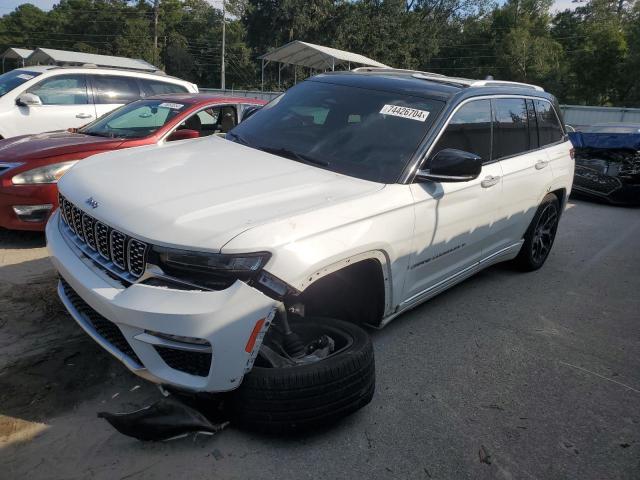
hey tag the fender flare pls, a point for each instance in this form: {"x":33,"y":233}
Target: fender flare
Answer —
{"x":379,"y":255}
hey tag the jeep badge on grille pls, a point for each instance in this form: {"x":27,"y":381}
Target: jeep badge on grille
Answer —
{"x":92,"y":203}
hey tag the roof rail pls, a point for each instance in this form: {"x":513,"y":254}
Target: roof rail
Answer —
{"x":437,"y":77}
{"x":492,"y":83}
{"x":393,"y":70}
{"x":126,"y":69}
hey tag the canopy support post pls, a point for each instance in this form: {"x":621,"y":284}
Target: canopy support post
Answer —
{"x":262,"y":82}
{"x":333,"y":64}
{"x":280,"y":67}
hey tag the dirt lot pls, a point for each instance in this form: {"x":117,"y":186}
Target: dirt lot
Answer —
{"x":505,"y":376}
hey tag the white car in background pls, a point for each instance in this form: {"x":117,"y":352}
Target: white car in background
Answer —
{"x":44,"y":98}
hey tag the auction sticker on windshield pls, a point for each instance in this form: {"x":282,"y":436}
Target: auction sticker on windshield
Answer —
{"x":405,"y":112}
{"x":172,"y":106}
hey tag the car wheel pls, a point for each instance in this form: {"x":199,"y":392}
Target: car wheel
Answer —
{"x":334,"y":377}
{"x":540,"y":235}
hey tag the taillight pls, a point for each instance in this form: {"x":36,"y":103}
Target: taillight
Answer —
{"x":572,"y":153}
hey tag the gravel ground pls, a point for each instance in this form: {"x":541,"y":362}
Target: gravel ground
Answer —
{"x":507,"y":375}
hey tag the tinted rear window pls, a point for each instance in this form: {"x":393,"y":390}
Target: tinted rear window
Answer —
{"x":549,"y":128}
{"x":112,"y":89}
{"x":511,"y":127}
{"x":155,"y":87}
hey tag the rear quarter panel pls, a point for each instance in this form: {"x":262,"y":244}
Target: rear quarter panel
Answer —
{"x":562,"y":166}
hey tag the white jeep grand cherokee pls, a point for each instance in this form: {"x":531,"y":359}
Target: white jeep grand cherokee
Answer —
{"x":245,"y":264}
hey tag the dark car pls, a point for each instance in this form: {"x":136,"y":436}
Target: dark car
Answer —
{"x":608,"y":162}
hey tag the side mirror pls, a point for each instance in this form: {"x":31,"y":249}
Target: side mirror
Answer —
{"x":28,"y":100}
{"x":451,"y":165}
{"x":184,"y":134}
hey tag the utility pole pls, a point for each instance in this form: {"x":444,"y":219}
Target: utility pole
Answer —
{"x":222,"y":72}
{"x":156,"y":14}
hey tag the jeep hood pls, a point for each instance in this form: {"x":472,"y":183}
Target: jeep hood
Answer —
{"x":52,"y":144}
{"x":201,"y":193}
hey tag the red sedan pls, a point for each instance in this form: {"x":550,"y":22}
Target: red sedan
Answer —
{"x":31,"y":165}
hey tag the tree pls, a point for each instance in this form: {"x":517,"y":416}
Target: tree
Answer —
{"x":590,"y":54}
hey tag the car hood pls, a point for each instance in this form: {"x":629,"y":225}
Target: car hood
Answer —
{"x":52,"y":144}
{"x":201,"y":193}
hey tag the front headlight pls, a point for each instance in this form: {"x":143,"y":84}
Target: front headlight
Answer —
{"x":46,"y":174}
{"x":210,"y":270}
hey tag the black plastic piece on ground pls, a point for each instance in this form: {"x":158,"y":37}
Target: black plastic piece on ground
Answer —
{"x":163,"y":420}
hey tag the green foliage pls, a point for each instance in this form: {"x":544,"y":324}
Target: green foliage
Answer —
{"x":588,"y":55}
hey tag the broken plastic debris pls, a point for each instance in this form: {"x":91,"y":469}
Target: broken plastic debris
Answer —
{"x":166,"y":419}
{"x":484,"y":455}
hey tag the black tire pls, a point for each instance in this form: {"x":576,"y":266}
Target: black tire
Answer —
{"x":300,"y":398}
{"x":540,"y":235}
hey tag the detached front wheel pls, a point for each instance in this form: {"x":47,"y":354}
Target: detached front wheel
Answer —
{"x":331,"y":378}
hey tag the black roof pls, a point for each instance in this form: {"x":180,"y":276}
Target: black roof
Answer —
{"x":402,"y":83}
{"x":409,"y":83}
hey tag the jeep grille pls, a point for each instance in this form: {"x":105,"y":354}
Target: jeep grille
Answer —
{"x":122,"y":253}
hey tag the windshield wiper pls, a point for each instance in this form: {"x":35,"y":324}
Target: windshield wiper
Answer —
{"x":94,"y":134}
{"x":301,"y":157}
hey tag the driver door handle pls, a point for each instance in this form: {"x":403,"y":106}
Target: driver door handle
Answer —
{"x":540,"y":164}
{"x":489,"y":181}
{"x":84,"y":115}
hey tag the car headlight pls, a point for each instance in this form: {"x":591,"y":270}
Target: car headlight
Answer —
{"x":209,"y":270}
{"x":47,"y":174}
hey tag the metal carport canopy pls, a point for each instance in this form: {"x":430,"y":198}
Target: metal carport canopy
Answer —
{"x":19,"y":54}
{"x":50,"y":56}
{"x":317,"y":57}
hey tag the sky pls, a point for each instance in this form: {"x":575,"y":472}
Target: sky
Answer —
{"x":7,"y":6}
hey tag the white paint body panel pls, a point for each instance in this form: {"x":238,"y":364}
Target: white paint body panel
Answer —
{"x":218,"y":196}
{"x":225,"y":318}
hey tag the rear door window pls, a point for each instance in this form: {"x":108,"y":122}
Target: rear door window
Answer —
{"x":469,"y":130}
{"x":511,"y":130}
{"x":549,"y":128}
{"x":156,"y":87}
{"x":62,"y":90}
{"x":113,"y":89}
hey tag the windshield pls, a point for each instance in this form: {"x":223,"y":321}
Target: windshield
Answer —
{"x":363,"y":133}
{"x":13,"y":79}
{"x":135,"y":120}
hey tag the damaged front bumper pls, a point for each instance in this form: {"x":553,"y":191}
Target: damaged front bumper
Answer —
{"x":200,"y":341}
